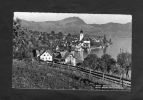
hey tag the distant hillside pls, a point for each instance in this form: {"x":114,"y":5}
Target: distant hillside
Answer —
{"x":73,"y":25}
{"x":115,"y":29}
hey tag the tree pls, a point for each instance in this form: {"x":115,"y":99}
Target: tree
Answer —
{"x":104,"y":44}
{"x":105,"y":49}
{"x":116,"y":70}
{"x":68,"y":38}
{"x":107,"y":62}
{"x":104,"y":39}
{"x":124,"y":59}
{"x":21,"y":44}
{"x":60,"y":35}
{"x":91,"y":61}
{"x":17,"y":22}
{"x":111,"y":63}
{"x":53,"y":34}
{"x":110,"y":41}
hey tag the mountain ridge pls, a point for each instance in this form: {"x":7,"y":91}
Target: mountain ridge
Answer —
{"x":73,"y":25}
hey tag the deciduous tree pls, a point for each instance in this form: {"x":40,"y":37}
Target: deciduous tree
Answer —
{"x":125,"y":61}
{"x":91,"y":61}
{"x":107,"y":62}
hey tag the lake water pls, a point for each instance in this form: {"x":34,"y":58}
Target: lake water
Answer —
{"x":124,"y":43}
{"x":114,"y":49}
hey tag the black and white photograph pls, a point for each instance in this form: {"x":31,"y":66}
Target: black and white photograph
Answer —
{"x":72,"y":51}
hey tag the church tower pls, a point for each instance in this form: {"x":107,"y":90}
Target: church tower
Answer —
{"x":81,"y":35}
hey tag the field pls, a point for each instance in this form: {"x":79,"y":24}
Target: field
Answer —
{"x":43,"y":76}
{"x":35,"y":75}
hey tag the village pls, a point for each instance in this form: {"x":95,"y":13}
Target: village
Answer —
{"x":74,"y":52}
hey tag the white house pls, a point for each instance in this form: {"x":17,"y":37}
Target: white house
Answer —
{"x":46,"y":56}
{"x":73,"y":57}
{"x":86,"y":43}
{"x":70,"y":59}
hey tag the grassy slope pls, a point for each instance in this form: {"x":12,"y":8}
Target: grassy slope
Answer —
{"x":43,"y":76}
{"x":36,"y":76}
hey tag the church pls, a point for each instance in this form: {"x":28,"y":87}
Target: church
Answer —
{"x":85,"y":41}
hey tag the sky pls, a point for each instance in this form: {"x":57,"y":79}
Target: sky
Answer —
{"x":88,"y":18}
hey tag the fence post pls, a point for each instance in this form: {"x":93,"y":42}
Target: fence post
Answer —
{"x":90,"y":75}
{"x":120,"y":80}
{"x":103,"y":76}
{"x":43,"y":81}
{"x":101,"y":86}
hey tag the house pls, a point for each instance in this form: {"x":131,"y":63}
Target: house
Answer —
{"x":73,"y":58}
{"x":69,"y":58}
{"x":78,"y":47}
{"x":86,"y":43}
{"x":46,"y":55}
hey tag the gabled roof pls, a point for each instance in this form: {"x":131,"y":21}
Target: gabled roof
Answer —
{"x":57,"y":55}
{"x":50,"y":52}
{"x":86,"y":39}
{"x":66,"y":55}
{"x":63,"y":53}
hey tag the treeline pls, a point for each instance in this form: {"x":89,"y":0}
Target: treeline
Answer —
{"x":26,"y":40}
{"x":109,"y":65}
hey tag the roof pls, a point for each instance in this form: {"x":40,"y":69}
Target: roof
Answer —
{"x":50,"y":52}
{"x":57,"y":55}
{"x":66,"y":54}
{"x":63,"y":53}
{"x":86,"y":39}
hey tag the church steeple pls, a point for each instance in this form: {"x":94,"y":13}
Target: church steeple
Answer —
{"x":81,"y":31}
{"x":81,"y":35}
